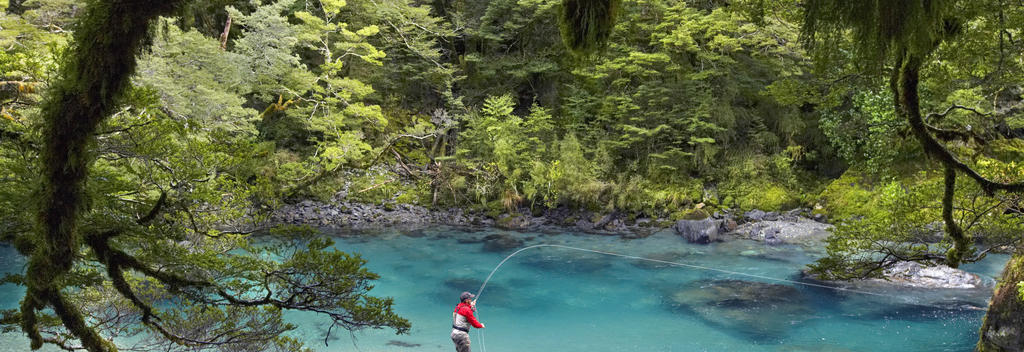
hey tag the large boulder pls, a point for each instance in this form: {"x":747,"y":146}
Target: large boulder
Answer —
{"x":802,"y":231}
{"x":756,"y":309}
{"x":1003,"y":329}
{"x":940,"y":276}
{"x":698,"y":231}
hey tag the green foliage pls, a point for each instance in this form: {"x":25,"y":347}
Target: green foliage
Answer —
{"x":686,"y":109}
{"x":869,"y":136}
{"x":197,"y":81}
{"x":669,"y":103}
{"x":502,"y":145}
{"x":881,"y":224}
{"x":175,"y":178}
{"x":565,"y":179}
{"x":900,"y":229}
{"x":760,"y":182}
{"x":267,"y":43}
{"x":1006,"y":150}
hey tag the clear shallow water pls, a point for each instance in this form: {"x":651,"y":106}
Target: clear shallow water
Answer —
{"x":551,"y":298}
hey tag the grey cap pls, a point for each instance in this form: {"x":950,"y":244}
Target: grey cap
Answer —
{"x":466,"y":295}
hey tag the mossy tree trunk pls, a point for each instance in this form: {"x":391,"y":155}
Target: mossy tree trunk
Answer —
{"x":94,"y":75}
{"x":1003,"y":329}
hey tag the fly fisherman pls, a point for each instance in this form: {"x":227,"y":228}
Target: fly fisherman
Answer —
{"x":462,"y":318}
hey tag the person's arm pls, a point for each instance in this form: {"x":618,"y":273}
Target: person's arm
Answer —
{"x":468,"y":313}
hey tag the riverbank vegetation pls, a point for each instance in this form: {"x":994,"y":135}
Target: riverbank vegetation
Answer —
{"x":178,"y":140}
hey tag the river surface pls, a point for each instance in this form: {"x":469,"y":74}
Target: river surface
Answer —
{"x":554,"y":299}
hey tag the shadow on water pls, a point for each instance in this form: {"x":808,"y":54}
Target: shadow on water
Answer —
{"x":404,"y":344}
{"x":321,"y":333}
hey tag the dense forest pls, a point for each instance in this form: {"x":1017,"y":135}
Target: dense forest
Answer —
{"x":144,"y":143}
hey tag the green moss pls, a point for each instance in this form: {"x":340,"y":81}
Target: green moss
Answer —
{"x":767,"y":197}
{"x":671,"y":197}
{"x":691,"y":214}
{"x":849,"y":196}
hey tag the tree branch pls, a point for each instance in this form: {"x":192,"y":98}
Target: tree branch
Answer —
{"x":909,"y":106}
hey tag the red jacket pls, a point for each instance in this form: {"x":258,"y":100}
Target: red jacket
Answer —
{"x":464,"y":309}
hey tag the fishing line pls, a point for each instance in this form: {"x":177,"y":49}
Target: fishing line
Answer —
{"x":480,"y":333}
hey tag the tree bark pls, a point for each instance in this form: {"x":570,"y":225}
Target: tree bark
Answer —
{"x":224,"y":35}
{"x":908,"y":105}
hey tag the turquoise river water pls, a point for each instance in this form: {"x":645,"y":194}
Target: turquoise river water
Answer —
{"x":553,"y":299}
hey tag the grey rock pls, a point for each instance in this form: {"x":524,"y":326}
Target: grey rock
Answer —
{"x":606,"y":219}
{"x":616,"y":226}
{"x":771,"y":235}
{"x":801,"y":231}
{"x":698,"y":231}
{"x":583,"y":224}
{"x":728,"y":225}
{"x":918,"y":275}
{"x":820,"y":218}
{"x":754,"y":215}
{"x":513,"y":222}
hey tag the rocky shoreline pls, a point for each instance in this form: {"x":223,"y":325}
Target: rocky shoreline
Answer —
{"x":774,"y":227}
{"x":798,"y":226}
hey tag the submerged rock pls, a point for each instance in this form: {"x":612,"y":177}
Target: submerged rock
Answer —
{"x":698,"y":231}
{"x":568,"y":262}
{"x":756,"y":309}
{"x":501,"y":242}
